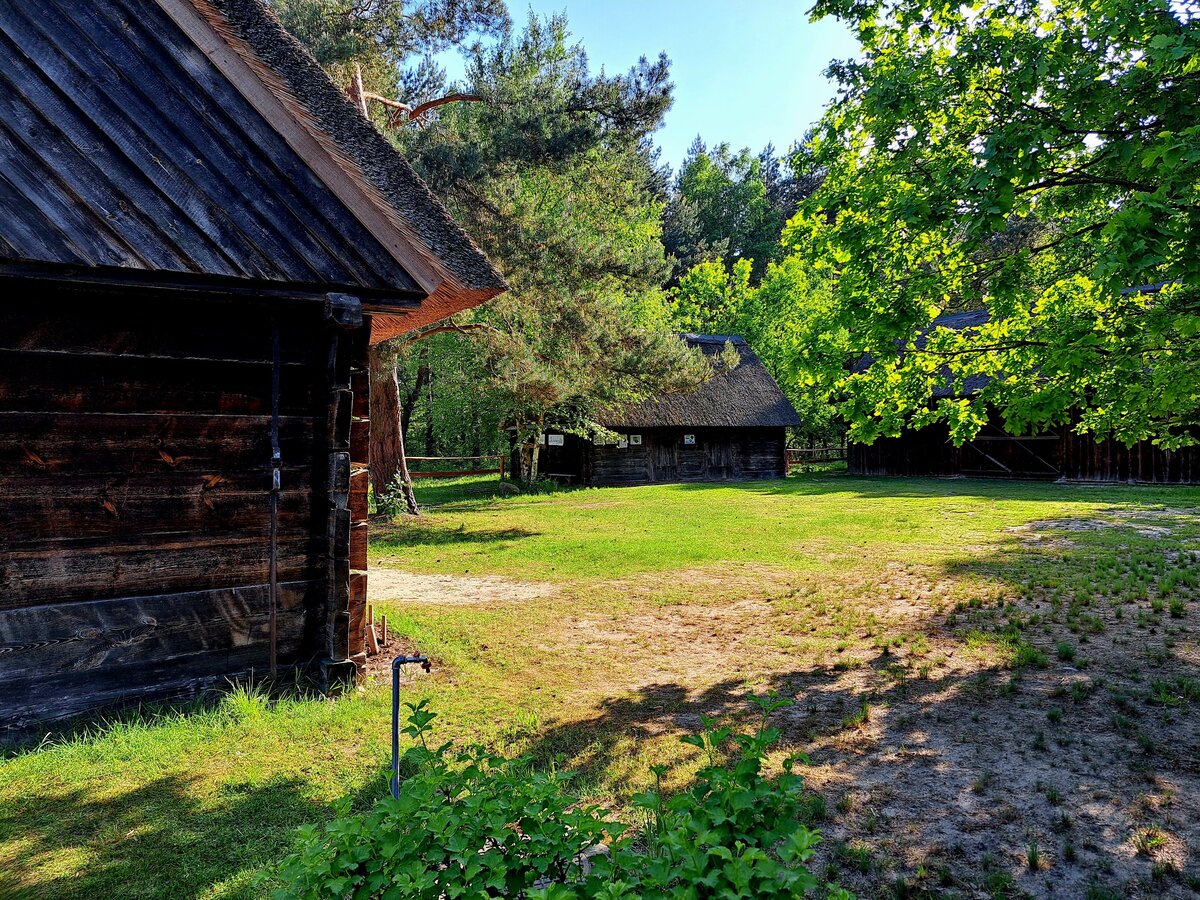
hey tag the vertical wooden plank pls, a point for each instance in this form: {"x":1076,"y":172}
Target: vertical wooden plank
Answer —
{"x":358,"y":547}
{"x":359,"y":479}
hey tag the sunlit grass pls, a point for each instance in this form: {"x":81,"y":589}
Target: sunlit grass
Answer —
{"x":668,"y":600}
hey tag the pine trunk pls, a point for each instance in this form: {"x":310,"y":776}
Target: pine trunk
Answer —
{"x":387,"y":439}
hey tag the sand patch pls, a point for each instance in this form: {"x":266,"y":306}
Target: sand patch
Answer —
{"x":409,"y":587}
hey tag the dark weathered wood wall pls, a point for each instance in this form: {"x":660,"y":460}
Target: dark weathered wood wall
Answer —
{"x":1061,"y":454}
{"x":135,"y":475}
{"x":719,"y":454}
{"x":1082,"y":458}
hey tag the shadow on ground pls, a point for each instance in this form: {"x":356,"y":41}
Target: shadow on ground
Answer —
{"x":417,"y":532}
{"x":1042,"y":745}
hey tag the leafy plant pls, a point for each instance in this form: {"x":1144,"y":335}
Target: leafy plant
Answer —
{"x":466,"y":823}
{"x":1148,"y":840}
{"x":469,"y":823}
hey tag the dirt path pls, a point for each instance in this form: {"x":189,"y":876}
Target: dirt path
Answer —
{"x":385,"y":583}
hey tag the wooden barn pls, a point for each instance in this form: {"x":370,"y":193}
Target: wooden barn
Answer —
{"x":199,"y":237}
{"x":1058,"y":454}
{"x":732,"y":429}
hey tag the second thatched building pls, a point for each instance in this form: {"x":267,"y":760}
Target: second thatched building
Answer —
{"x":733,"y":428}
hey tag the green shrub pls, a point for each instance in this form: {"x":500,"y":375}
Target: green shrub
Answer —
{"x":472,"y":824}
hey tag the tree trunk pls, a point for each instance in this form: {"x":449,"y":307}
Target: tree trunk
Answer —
{"x":537,"y":448}
{"x":411,"y":398}
{"x":430,"y":444}
{"x":406,"y":482}
{"x":387,"y":440}
{"x":533,"y":462}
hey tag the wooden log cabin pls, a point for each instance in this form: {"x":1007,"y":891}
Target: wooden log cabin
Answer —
{"x":1058,"y":454}
{"x":733,"y":428}
{"x":199,"y":238}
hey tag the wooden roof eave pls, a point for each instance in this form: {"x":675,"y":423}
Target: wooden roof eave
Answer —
{"x":263,"y":89}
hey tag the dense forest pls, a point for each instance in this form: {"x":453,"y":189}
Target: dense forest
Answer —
{"x":1024,"y":173}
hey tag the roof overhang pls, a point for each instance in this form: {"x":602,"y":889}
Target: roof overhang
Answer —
{"x":445,"y":294}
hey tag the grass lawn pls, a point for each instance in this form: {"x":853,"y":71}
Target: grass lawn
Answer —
{"x":998,"y":684}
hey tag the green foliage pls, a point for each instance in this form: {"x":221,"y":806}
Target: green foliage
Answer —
{"x":729,"y":207}
{"x":713,"y":299}
{"x":551,"y":176}
{"x":466,"y":824}
{"x":470,"y":823}
{"x":384,"y":37}
{"x":1034,"y":160}
{"x":786,"y":317}
{"x":549,"y":170}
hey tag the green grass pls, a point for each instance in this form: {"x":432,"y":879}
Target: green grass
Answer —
{"x":669,"y":601}
{"x":802,"y":524}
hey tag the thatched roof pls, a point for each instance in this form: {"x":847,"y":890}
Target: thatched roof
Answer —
{"x":746,"y":397}
{"x":463,"y":273}
{"x":195,"y":141}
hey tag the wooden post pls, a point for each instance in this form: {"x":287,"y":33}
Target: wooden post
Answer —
{"x":345,"y":642}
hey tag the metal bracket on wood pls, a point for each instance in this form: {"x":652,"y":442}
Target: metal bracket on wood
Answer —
{"x":343,"y":310}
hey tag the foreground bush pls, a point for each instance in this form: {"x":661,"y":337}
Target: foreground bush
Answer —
{"x":470,"y":824}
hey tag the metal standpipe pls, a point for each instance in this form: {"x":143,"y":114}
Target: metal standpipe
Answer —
{"x":396,"y":664}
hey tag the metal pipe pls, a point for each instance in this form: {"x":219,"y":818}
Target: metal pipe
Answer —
{"x":396,"y":664}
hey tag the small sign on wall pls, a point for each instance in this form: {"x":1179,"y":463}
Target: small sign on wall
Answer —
{"x":555,"y":440}
{"x":635,"y":440}
{"x":689,"y":440}
{"x":622,"y":442}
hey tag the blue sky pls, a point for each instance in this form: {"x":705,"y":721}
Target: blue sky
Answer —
{"x":746,"y":71}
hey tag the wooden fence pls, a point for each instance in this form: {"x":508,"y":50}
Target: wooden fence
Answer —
{"x":456,"y":473}
{"x":798,"y":456}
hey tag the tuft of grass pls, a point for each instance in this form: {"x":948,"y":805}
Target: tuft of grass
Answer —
{"x":1160,"y":870}
{"x":859,"y":717}
{"x":1149,"y":840}
{"x":1027,"y":656}
{"x":853,"y":857}
{"x":1033,"y":856}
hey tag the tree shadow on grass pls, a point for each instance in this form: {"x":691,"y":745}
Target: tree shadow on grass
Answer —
{"x":1056,"y":725}
{"x":155,"y":840}
{"x":415,"y":533}
{"x":881,"y":487}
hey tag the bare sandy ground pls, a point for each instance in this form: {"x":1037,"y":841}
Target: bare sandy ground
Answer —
{"x":384,"y":583}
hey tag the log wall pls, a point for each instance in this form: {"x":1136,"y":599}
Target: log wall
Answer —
{"x":1061,"y":454}
{"x":135,"y":485}
{"x":719,"y":454}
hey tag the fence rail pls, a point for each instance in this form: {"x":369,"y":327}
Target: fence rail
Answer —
{"x":798,"y":456}
{"x":457,"y":473}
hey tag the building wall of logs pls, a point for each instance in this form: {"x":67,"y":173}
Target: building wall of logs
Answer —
{"x":136,"y":481}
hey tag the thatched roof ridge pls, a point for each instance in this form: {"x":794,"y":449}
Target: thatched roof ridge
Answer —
{"x":746,"y":397}
{"x":466,"y":275}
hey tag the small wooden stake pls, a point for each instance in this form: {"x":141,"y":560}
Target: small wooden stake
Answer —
{"x":372,"y":641}
{"x":383,"y":633}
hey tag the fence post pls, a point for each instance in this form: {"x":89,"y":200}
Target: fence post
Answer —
{"x":501,"y":457}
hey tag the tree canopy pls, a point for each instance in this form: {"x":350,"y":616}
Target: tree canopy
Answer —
{"x":731,"y":206}
{"x":1039,"y":161}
